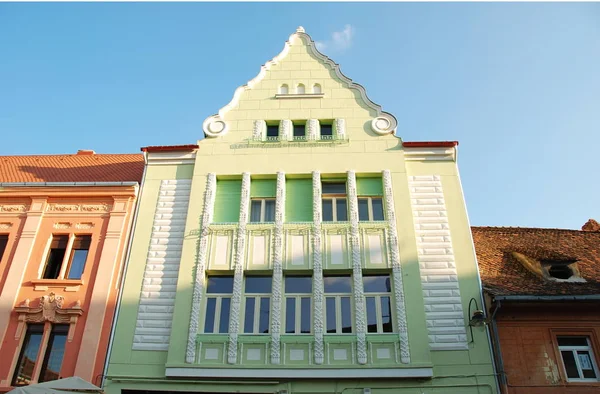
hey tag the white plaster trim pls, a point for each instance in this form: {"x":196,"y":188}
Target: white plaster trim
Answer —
{"x":258,"y":132}
{"x":342,"y":373}
{"x":276,"y":297}
{"x":285,"y":130}
{"x":299,"y":95}
{"x":238,"y":264}
{"x":384,"y":124}
{"x":206,"y":219}
{"x":298,"y":34}
{"x":430,"y":154}
{"x":317,"y":270}
{"x":392,"y":238}
{"x":312,"y":129}
{"x":168,"y":158}
{"x":339,"y":128}
{"x":359,"y":297}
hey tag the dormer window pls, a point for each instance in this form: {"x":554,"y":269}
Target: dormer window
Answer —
{"x":560,"y":269}
{"x":283,"y":89}
{"x":300,"y":89}
{"x":316,"y":88}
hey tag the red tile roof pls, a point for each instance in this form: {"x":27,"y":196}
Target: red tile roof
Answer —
{"x":84,"y":167}
{"x":503,"y":274}
{"x":169,"y":148}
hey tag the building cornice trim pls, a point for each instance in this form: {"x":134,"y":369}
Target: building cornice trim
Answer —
{"x":313,"y":373}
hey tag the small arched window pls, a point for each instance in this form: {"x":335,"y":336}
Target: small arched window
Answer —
{"x":316,"y":88}
{"x":300,"y":89}
{"x":283,"y":89}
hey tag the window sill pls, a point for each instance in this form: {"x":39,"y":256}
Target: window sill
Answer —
{"x":68,"y":284}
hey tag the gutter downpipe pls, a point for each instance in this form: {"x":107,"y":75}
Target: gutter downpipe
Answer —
{"x":124,"y":272}
{"x":592,"y":297}
{"x":498,"y":352}
{"x":479,"y":284}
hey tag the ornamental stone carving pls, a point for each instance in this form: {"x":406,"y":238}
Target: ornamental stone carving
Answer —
{"x":339,"y":128}
{"x":317,"y":269}
{"x":285,"y":130}
{"x":384,"y":124}
{"x":277,"y":270}
{"x":214,"y":126}
{"x":258,"y":131}
{"x":205,"y":220}
{"x":312,"y":129}
{"x":14,"y":208}
{"x":5,"y":226}
{"x":78,"y":208}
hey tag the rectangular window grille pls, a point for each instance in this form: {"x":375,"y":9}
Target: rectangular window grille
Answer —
{"x":578,"y":359}
{"x":370,"y":209}
{"x":219,"y":290}
{"x":262,"y":210}
{"x":257,"y":295}
{"x":67,"y":256}
{"x":338,"y":304}
{"x":378,"y":293}
{"x":298,"y":304}
{"x":334,"y":202}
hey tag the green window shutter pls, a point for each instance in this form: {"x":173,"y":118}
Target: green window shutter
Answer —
{"x":263,"y":188}
{"x":298,"y":200}
{"x":227,"y":201}
{"x":369,"y":187}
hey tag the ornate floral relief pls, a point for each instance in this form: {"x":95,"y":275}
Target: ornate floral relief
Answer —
{"x":277,"y":270}
{"x":317,"y":269}
{"x":85,"y":225}
{"x":14,"y":208}
{"x":50,"y":308}
{"x":258,"y":131}
{"x":205,"y":221}
{"x":238,"y":263}
{"x":5,"y":226}
{"x":339,"y":128}
{"x":285,"y":130}
{"x":312,"y":129}
{"x":359,"y":303}
{"x":78,"y":208}
{"x":396,"y":267}
{"x":62,"y":225}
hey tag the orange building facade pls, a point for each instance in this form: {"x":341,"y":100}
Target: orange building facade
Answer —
{"x":64,"y":227}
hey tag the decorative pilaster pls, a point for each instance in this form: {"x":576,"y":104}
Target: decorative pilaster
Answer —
{"x":277,"y":270}
{"x":205,"y":220}
{"x":312,"y":129}
{"x":339,"y":129}
{"x":392,"y":236}
{"x":317,"y":269}
{"x":359,"y":298}
{"x":258,"y":131}
{"x":285,"y":130}
{"x":238,"y":261}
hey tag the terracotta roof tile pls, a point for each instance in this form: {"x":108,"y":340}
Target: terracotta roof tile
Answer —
{"x":84,"y":167}
{"x":502,"y":273}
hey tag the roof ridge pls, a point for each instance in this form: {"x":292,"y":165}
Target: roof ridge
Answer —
{"x":528,"y":228}
{"x":70,"y":154}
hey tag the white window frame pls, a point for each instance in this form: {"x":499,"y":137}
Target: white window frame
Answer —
{"x":256,"y":315}
{"x":298,"y":311}
{"x":263,"y":206}
{"x":370,"y":207}
{"x":378,"y":314}
{"x":67,"y":261}
{"x":333,"y":197}
{"x":338,"y":309}
{"x":574,"y":350}
{"x":219,"y":300}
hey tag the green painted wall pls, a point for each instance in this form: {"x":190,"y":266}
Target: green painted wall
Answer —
{"x":298,"y":203}
{"x":227,"y":201}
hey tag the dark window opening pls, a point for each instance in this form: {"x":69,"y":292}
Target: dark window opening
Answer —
{"x":334,"y":188}
{"x":559,"y":269}
{"x":56,"y":256}
{"x":272,"y":130}
{"x":55,"y":352}
{"x":29,"y":354}
{"x":326,"y":130}
{"x":3,"y":243}
{"x":299,"y":130}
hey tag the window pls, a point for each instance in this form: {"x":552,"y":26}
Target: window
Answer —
{"x":560,"y":269}
{"x":283,"y":89}
{"x":578,"y":358}
{"x":334,"y":202}
{"x":299,"y":132}
{"x":316,"y":88}
{"x":257,"y":294}
{"x":272,"y":132}
{"x":67,"y":256}
{"x":30,"y":354}
{"x":3,"y":243}
{"x":378,"y":292}
{"x":300,"y":89}
{"x":219,"y":290}
{"x":326,"y":131}
{"x":370,"y":208}
{"x":262,"y":210}
{"x":338,"y":305}
{"x":298,"y":308}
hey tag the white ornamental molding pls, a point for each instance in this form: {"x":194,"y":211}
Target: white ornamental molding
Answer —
{"x":79,"y":208}
{"x":258,"y":131}
{"x":384,"y":124}
{"x":359,"y":298}
{"x":299,"y":37}
{"x":396,"y":268}
{"x":339,"y":128}
{"x":317,"y":269}
{"x":62,"y":225}
{"x":312,"y":129}
{"x":205,"y":220}
{"x":277,"y":270}
{"x":5,"y":226}
{"x":238,"y":276}
{"x":285,"y":130}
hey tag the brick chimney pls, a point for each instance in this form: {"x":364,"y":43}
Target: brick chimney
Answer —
{"x":591,"y":225}
{"x":85,"y":152}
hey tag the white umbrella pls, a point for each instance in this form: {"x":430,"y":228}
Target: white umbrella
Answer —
{"x":60,"y":386}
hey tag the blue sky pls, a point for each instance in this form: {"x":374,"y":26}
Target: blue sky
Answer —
{"x":517,"y":84}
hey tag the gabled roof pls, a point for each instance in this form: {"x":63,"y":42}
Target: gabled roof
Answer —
{"x":83,"y":167}
{"x":501,"y":252}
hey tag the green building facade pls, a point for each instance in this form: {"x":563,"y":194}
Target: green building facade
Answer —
{"x":300,"y":247}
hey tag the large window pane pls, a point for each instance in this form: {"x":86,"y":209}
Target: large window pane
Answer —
{"x":327,"y":210}
{"x":258,"y":284}
{"x":255,"y":208}
{"x":346,"y":315}
{"x":249,"y":315}
{"x":305,"y":315}
{"x":337,"y":284}
{"x":224,"y":320}
{"x":386,"y":314}
{"x":28,"y":356}
{"x":265,"y":308}
{"x":371,"y":315}
{"x":220,"y":285}
{"x":209,"y":320}
{"x":298,"y":284}
{"x":269,"y":210}
{"x":377,"y":283}
{"x":585,"y":362}
{"x":377,"y":206}
{"x":55,"y":352}
{"x":58,"y":247}
{"x":570,"y":365}
{"x":290,"y":315}
{"x":363,"y":209}
{"x":78,"y":258}
{"x":341,"y":210}
{"x":330,"y":313}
